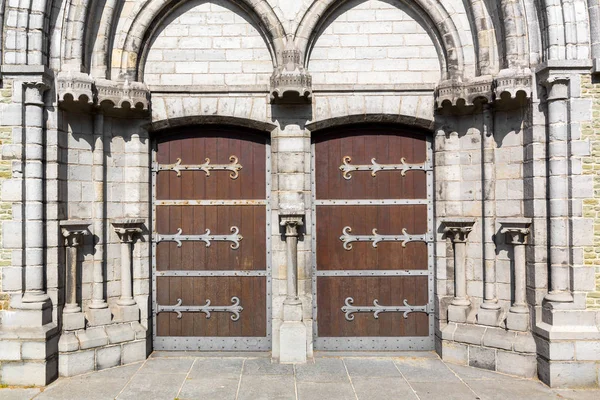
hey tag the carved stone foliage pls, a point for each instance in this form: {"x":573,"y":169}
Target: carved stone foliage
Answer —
{"x":79,"y":90}
{"x":290,"y":82}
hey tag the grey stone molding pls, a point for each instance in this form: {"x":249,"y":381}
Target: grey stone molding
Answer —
{"x":290,"y":82}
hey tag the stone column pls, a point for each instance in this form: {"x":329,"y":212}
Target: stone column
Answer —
{"x":126,"y":309}
{"x":558,"y":187}
{"x":458,"y":230}
{"x":98,"y":312}
{"x":489,"y":312}
{"x":516,"y":231}
{"x":292,"y":334}
{"x":73,"y":232}
{"x":34,"y":192}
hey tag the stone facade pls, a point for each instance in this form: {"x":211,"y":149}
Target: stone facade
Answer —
{"x":511,"y":110}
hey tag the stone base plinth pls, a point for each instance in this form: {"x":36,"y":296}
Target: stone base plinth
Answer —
{"x":292,"y":342}
{"x":73,"y":321}
{"x":126,"y":313}
{"x":489,"y":317}
{"x":458,"y":314}
{"x":517,"y":321}
{"x":98,"y":316}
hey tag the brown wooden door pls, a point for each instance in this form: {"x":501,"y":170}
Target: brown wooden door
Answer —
{"x":210,"y":240}
{"x":373,"y":213}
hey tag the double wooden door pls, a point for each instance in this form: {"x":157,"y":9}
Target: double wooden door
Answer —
{"x":211,"y":277}
{"x":372,"y":262}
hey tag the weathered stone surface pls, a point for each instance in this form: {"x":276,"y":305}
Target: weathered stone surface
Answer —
{"x":92,"y":337}
{"x":126,"y":313}
{"x":134,"y":352}
{"x":73,"y":321}
{"x":456,"y":353}
{"x":108,"y":357}
{"x":516,"y":364}
{"x":120,"y":333}
{"x":76,"y":363}
{"x":292,"y":338}
{"x":98,"y":317}
{"x":482,"y":357}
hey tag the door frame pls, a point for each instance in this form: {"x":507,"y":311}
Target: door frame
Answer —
{"x":214,"y":343}
{"x":366,"y":342}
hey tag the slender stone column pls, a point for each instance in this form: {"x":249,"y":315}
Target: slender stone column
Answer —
{"x":516,"y":231}
{"x":291,"y":225}
{"x":34,"y":193}
{"x":458,"y":230}
{"x":558,"y":187}
{"x":73,"y":232}
{"x":127,"y":229}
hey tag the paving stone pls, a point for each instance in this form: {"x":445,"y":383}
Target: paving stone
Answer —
{"x":228,"y":368}
{"x":369,"y":367}
{"x":322,"y":370}
{"x":262,"y":366}
{"x":447,"y":391}
{"x":85,"y":388}
{"x":267,"y":387}
{"x":167,"y":366}
{"x":18,"y":394}
{"x":470,"y":373}
{"x":153,"y":387}
{"x":370,"y":388}
{"x":569,"y":394}
{"x":517,"y":389}
{"x":213,"y":388}
{"x":322,"y":390}
{"x":425,"y":370}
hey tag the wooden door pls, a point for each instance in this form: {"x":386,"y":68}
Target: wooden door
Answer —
{"x":373,"y":239}
{"x":210,"y":240}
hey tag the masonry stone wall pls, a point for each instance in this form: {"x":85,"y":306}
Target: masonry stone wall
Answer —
{"x":5,"y":173}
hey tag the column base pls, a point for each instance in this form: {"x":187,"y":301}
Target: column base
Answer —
{"x":292,"y":342}
{"x":517,"y":321}
{"x":488,"y":316}
{"x":98,"y":305}
{"x":126,"y":302}
{"x":35,"y":297}
{"x":73,"y":321}
{"x":559,"y":297}
{"x":98,"y":316}
{"x":458,"y":313}
{"x":130,"y":313}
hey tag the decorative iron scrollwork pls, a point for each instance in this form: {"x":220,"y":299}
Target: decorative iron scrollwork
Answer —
{"x":377,"y":309}
{"x":347,"y":168}
{"x":376,"y":238}
{"x":207,"y":238}
{"x":178,"y":308}
{"x":234,"y":167}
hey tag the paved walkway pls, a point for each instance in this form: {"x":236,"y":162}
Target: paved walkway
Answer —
{"x":182,"y":376}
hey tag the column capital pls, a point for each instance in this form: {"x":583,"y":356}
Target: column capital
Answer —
{"x":127,"y":228}
{"x":73,"y":230}
{"x":458,"y":229}
{"x":291,"y":224}
{"x":557,"y":87}
{"x":34,"y":92}
{"x":515,"y":230}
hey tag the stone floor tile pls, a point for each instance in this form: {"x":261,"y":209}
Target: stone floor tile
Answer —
{"x":210,"y":354}
{"x":371,"y":367}
{"x":264,"y":366}
{"x":18,"y":394}
{"x":322,"y":370}
{"x":425,"y":370}
{"x":227,"y":368}
{"x":569,"y":394}
{"x":516,"y":389}
{"x":167,"y":366}
{"x":88,"y":389}
{"x":478,"y":374}
{"x":153,"y":387}
{"x":213,"y":388}
{"x":369,"y":388}
{"x":446,"y":391}
{"x":267,"y":387}
{"x":328,"y":391}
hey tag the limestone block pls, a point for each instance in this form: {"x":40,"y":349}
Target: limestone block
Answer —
{"x":12,"y":279}
{"x":516,"y":364}
{"x":68,"y":342}
{"x":39,"y":350}
{"x":120,"y":333}
{"x":126,"y":313}
{"x":292,"y":311}
{"x":140,"y":331}
{"x":458,"y":313}
{"x":92,"y":337}
{"x":73,"y":321}
{"x":517,"y":321}
{"x":292,"y":342}
{"x":108,"y":357}
{"x":456,"y":353}
{"x":10,"y":350}
{"x":587,"y":350}
{"x":35,"y":373}
{"x":524,"y":343}
{"x":27,"y":318}
{"x":499,"y":338}
{"x":482,"y":357}
{"x":98,"y":316}
{"x":134,"y":352}
{"x":471,"y":334}
{"x":558,"y":374}
{"x":76,"y":363}
{"x":488,"y":317}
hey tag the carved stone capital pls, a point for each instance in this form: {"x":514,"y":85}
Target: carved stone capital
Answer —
{"x":453,"y":93}
{"x":73,"y":232}
{"x":458,"y":229}
{"x":557,"y":87}
{"x":127,"y":228}
{"x":75,"y":87}
{"x":34,"y":92}
{"x":290,"y":82}
{"x":123,"y":95}
{"x":515,"y":230}
{"x":291,"y":224}
{"x":510,"y":85}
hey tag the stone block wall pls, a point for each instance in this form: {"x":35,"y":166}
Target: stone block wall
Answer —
{"x":5,"y":173}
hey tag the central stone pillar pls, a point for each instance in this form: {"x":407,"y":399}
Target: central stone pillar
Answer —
{"x":457,"y":230}
{"x":73,"y":232}
{"x":292,"y":334}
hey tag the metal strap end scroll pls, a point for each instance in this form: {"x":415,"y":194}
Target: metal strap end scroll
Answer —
{"x":207,"y":238}
{"x":403,"y":167}
{"x":235,"y":309}
{"x":347,"y":239}
{"x":349,"y":309}
{"x":234,"y":167}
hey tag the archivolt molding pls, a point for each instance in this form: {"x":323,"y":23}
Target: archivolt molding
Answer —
{"x":433,"y":13}
{"x":130,"y":40}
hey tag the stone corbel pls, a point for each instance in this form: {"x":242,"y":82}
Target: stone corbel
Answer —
{"x":75,"y":90}
{"x":118,"y":97}
{"x":513,"y":88}
{"x":460,"y":96}
{"x":290,"y":82}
